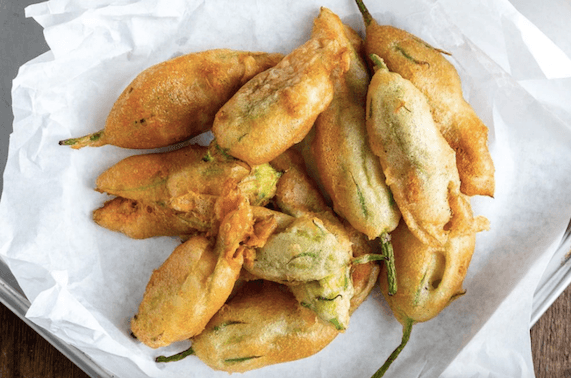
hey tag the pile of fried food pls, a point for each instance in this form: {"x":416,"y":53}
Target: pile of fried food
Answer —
{"x":274,"y":260}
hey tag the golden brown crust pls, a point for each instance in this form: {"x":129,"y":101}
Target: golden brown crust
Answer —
{"x":296,"y":192}
{"x":364,"y":276}
{"x":437,"y":78}
{"x":428,"y":277}
{"x":420,"y":167}
{"x":278,"y":107}
{"x":348,"y":169}
{"x":166,"y":313}
{"x":140,"y":220}
{"x":177,"y":99}
{"x":304,"y":251}
{"x":262,"y":325}
{"x":161,"y":177}
{"x":194,"y":282}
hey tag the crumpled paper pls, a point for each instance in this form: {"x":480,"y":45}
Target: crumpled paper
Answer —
{"x":85,"y":283}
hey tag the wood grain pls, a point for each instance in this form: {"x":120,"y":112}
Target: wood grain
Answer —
{"x":25,"y":354}
{"x":551,"y":340}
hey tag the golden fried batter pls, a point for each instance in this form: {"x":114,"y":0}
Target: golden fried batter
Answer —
{"x":296,"y":192}
{"x":298,"y":195}
{"x":419,"y":166}
{"x":161,"y":177}
{"x":305,"y":250}
{"x":437,"y":78}
{"x":429,"y":277}
{"x":176,"y":193}
{"x":140,"y":220}
{"x":348,"y":169}
{"x":176,"y":100}
{"x":278,"y":107}
{"x":193,"y":283}
{"x":262,"y":325}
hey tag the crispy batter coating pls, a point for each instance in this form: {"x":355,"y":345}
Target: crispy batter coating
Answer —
{"x":266,"y":223}
{"x":296,"y":192}
{"x":162,"y":317}
{"x":430,"y":277}
{"x":176,"y":100}
{"x":258,"y":187}
{"x":437,"y":78}
{"x":347,"y":167}
{"x":194,"y":282}
{"x":278,"y":107}
{"x":161,"y":177}
{"x":175,"y":193}
{"x":140,"y":220}
{"x":420,"y":167}
{"x":330,"y":297}
{"x":262,"y":325}
{"x":364,"y":276}
{"x":188,"y":214}
{"x":304,"y":251}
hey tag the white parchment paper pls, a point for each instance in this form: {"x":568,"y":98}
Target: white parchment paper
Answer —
{"x":85,"y":283}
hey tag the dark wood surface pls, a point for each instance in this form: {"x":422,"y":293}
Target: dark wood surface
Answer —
{"x":551,"y":340}
{"x":25,"y":354}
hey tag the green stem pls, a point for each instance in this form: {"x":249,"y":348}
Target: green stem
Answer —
{"x":240,"y":359}
{"x":388,"y":251}
{"x":368,"y":258}
{"x":175,"y":357}
{"x":84,"y":141}
{"x":367,"y":18}
{"x":378,"y":62}
{"x":407,"y":329}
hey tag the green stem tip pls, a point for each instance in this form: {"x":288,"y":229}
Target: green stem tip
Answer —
{"x":369,"y":258}
{"x":407,"y":329}
{"x":378,"y":62}
{"x":175,"y":357}
{"x":84,"y":141}
{"x":367,"y":18}
{"x":388,"y":251}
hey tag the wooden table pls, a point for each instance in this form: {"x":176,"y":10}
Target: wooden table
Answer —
{"x":23,"y":353}
{"x":550,"y":340}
